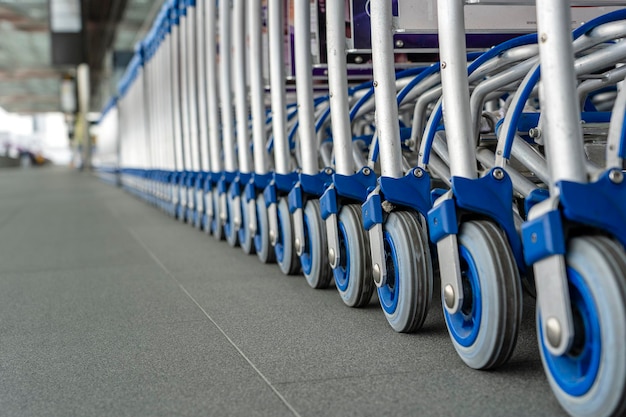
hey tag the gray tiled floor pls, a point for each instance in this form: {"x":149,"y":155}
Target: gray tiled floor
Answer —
{"x":109,"y":307}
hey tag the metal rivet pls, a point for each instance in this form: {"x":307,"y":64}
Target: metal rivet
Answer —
{"x":417,"y":172}
{"x":272,"y":235}
{"x":443,"y":65}
{"x":367,"y":171}
{"x":534,"y":133}
{"x":616,"y":176}
{"x":375,"y":84}
{"x":376,"y":273}
{"x":331,"y":258}
{"x":399,"y":43}
{"x":297,"y":244}
{"x":358,"y":59}
{"x":435,"y":221}
{"x":533,"y":237}
{"x":544,"y":37}
{"x":553,"y":332}
{"x":328,"y":171}
{"x":498,"y":173}
{"x":448,"y":296}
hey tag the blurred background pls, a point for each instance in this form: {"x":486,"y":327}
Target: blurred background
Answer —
{"x":42,"y":44}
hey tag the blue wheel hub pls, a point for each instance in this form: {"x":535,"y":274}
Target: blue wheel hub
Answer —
{"x":388,"y":294}
{"x":576,"y":371}
{"x":465,"y":324}
{"x":342,"y":272}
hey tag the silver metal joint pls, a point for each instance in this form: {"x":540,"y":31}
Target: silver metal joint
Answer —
{"x":272,"y":237}
{"x":399,"y":43}
{"x":332,"y":259}
{"x":297,"y":245}
{"x":417,"y":172}
{"x":328,"y":171}
{"x":376,"y":274}
{"x":616,"y":176}
{"x":498,"y":173}
{"x":534,"y":133}
{"x":366,"y":171}
{"x":553,"y":332}
{"x":448,"y":296}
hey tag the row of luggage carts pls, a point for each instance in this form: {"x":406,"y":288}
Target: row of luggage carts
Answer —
{"x":493,"y":170}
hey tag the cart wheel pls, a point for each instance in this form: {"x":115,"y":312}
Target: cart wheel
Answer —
{"x":353,"y":275}
{"x":246,"y":240}
{"x":208,"y":224}
{"x":216,"y":228}
{"x":200,"y":216}
{"x":314,"y":259}
{"x":232,"y":237}
{"x":484,"y":331}
{"x":286,"y":256}
{"x":262,"y":245}
{"x":590,"y":379}
{"x":406,"y":296}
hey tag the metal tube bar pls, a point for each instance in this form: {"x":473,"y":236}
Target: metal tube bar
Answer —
{"x":213,"y":106}
{"x":304,"y":87}
{"x":241,"y":90}
{"x":176,"y":99}
{"x":338,"y":86}
{"x":184,"y":91}
{"x":456,"y":99}
{"x":276,"y":23}
{"x":226,"y":99}
{"x":564,"y":142}
{"x":385,"y":89}
{"x":201,"y":62}
{"x":257,"y":89}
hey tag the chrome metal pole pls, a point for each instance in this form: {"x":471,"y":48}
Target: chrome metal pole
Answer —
{"x":304,"y":87}
{"x":387,"y":124}
{"x":201,"y":61}
{"x":215,"y":146}
{"x":226,"y":98}
{"x":559,"y":102}
{"x":276,"y":23}
{"x":257,"y":88}
{"x":241,"y":87}
{"x":338,"y":86}
{"x":456,"y":100}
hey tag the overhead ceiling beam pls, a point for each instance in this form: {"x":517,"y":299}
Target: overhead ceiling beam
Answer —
{"x":27,"y":73}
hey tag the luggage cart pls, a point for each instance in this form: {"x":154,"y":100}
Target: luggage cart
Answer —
{"x":261,"y":177}
{"x":347,"y":240}
{"x":577,"y":253}
{"x":236,"y":194}
{"x":280,"y":220}
{"x":213,"y":224}
{"x":310,"y":241}
{"x":401,"y":260}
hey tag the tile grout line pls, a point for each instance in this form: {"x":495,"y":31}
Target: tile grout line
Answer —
{"x":232,"y":343}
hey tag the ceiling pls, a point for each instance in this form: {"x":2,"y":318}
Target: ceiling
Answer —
{"x":28,"y":81}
